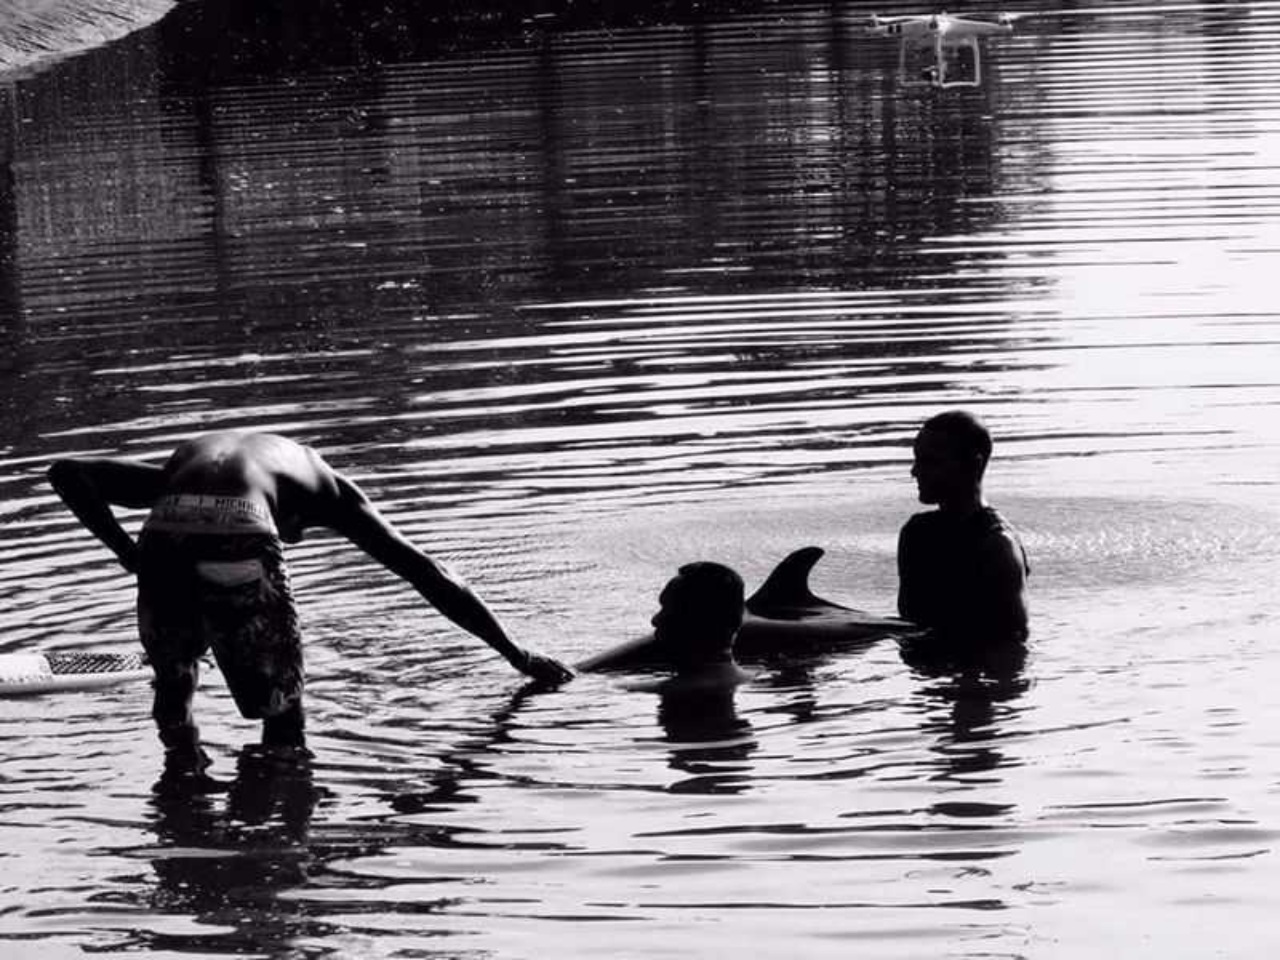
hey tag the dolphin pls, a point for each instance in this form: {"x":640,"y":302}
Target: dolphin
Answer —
{"x":783,"y":617}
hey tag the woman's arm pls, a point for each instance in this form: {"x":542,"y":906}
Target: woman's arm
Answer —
{"x":89,"y":487}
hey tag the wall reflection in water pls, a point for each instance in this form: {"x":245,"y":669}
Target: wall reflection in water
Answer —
{"x":223,"y":180}
{"x":243,"y":231}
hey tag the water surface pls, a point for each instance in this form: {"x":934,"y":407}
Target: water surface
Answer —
{"x":578,"y":302}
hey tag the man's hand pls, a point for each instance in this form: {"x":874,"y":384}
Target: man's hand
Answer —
{"x":544,"y":669}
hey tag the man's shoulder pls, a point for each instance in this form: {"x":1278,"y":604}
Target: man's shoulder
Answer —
{"x":925,"y":527}
{"x":273,"y":445}
{"x":990,"y":523}
{"x":994,"y":517}
{"x":985,"y":527}
{"x":997,"y":525}
{"x":1001,"y":544}
{"x":924,"y":520}
{"x":286,"y":458}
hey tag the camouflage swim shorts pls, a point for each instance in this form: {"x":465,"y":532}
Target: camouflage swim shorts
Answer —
{"x":212,"y":577}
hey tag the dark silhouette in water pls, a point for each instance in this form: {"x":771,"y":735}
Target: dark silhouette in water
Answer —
{"x":704,"y":628}
{"x":227,"y":850}
{"x":977,"y":697}
{"x":700,"y":612}
{"x":706,"y":738}
{"x":961,"y":567}
{"x":782,"y":619}
{"x":211,"y":572}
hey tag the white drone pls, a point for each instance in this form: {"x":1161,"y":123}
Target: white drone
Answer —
{"x":950,"y":39}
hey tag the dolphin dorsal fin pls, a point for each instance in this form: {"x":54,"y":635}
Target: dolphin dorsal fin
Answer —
{"x":788,"y":585}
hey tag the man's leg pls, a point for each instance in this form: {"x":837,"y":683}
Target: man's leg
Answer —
{"x":171,"y":709}
{"x":174,"y":649}
{"x":259,"y":650}
{"x":252,"y":627}
{"x":285,"y":729}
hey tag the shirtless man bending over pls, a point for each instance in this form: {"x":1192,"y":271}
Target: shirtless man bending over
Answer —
{"x":211,"y":570}
{"x":961,"y":568}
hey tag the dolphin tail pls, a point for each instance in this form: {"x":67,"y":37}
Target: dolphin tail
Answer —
{"x":788,"y":584}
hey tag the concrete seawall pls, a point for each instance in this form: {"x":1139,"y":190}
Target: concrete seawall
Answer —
{"x":37,"y":31}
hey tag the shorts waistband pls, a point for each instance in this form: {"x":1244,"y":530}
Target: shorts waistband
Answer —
{"x":209,"y":513}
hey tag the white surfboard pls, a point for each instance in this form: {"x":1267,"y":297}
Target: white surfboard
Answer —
{"x":22,"y":674}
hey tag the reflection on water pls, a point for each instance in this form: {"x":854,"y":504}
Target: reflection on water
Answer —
{"x":579,"y":299}
{"x":227,"y":851}
{"x":977,"y":701}
{"x":708,"y":739}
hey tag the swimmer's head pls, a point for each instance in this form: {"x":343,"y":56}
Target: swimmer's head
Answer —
{"x":951,"y":452}
{"x":701,"y":610}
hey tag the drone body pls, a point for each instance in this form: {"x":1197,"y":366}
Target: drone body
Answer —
{"x":939,"y":25}
{"x":952,"y":41}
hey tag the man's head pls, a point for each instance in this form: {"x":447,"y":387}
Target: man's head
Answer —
{"x":701,"y":610}
{"x":950,"y":455}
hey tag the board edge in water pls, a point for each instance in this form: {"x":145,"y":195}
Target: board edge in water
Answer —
{"x":29,"y":674}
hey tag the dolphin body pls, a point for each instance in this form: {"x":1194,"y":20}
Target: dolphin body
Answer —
{"x":783,"y":617}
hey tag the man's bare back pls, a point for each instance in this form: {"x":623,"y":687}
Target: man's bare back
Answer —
{"x":290,"y":479}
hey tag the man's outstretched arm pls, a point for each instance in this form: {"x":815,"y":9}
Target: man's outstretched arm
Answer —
{"x":89,"y":487}
{"x":356,"y":518}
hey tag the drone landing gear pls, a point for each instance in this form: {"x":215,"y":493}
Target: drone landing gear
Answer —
{"x":939,"y":63}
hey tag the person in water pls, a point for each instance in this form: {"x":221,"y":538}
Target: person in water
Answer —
{"x":699,"y":613}
{"x":961,"y":568}
{"x":211,"y":571}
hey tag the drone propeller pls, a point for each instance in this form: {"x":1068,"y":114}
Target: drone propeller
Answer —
{"x":876,"y":25}
{"x":940,"y":22}
{"x":1002,"y":19}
